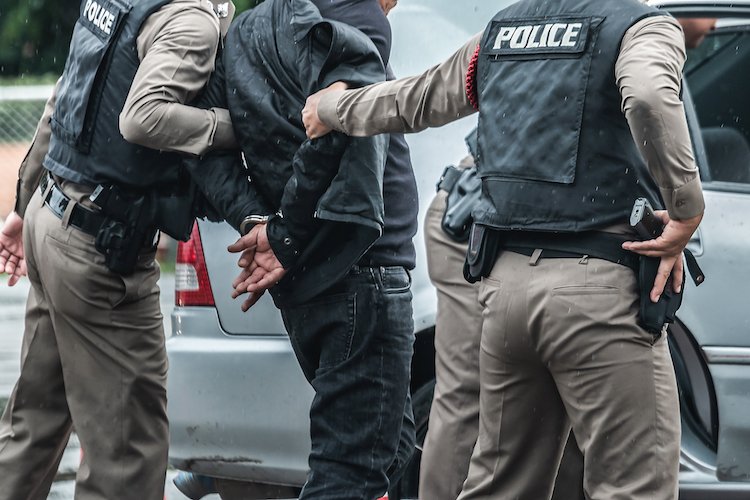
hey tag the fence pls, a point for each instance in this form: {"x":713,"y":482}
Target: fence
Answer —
{"x":20,"y":109}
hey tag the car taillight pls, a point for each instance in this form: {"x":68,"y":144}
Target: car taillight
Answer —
{"x":192,"y":287}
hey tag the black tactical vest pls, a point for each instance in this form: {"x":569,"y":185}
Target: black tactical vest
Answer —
{"x":86,"y":145}
{"x":555,"y":151}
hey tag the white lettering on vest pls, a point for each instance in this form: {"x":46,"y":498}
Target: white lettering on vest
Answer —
{"x":538,"y":36}
{"x":98,"y":16}
{"x":533,"y":41}
{"x":503,"y":35}
{"x":545,"y":36}
{"x":521,"y":37}
{"x":571,"y":35}
{"x":554,"y":30}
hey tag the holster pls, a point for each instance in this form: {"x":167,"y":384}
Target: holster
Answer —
{"x":128,"y":228}
{"x":484,"y":244}
{"x":464,"y":189}
{"x":653,"y":316}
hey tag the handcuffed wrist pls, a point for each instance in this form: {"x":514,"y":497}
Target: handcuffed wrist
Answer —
{"x":282,"y":243}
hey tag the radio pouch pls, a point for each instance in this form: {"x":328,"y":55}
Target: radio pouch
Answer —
{"x":482,"y":252}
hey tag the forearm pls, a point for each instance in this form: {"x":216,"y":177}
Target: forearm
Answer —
{"x":177,"y":52}
{"x":314,"y":167}
{"x":434,"y":98}
{"x":649,"y":75}
{"x":223,"y":181}
{"x":31,"y":169}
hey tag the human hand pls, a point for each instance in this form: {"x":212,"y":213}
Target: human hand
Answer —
{"x":314,"y":126}
{"x":668,"y":247}
{"x":261,"y":268}
{"x":12,"y":259}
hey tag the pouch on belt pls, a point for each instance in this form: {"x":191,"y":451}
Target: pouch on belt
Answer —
{"x":484,"y":243}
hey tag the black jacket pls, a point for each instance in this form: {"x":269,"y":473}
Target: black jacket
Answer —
{"x":329,"y":191}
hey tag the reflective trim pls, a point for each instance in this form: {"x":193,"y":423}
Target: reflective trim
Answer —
{"x":727,"y":355}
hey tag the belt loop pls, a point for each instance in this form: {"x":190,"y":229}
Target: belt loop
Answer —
{"x":67,"y":213}
{"x":534,"y":260}
{"x":376,"y":276}
{"x":584,"y":260}
{"x":50,"y":185}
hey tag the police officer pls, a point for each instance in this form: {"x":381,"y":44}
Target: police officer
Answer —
{"x":105,"y":149}
{"x":454,"y":414}
{"x":580,"y":113}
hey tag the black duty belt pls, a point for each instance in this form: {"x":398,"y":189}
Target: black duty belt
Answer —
{"x":81,"y":218}
{"x":594,"y":244}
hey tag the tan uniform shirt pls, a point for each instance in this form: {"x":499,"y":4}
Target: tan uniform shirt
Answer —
{"x":648,"y":72}
{"x":177,"y":47}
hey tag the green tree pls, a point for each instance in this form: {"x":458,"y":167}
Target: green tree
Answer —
{"x":35,"y":35}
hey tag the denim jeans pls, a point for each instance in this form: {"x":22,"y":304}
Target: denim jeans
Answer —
{"x":354,"y":344}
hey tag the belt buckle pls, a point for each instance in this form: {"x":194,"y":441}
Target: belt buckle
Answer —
{"x":57,"y":201}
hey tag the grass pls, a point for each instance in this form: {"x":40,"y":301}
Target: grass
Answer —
{"x":48,"y":79}
{"x":167,"y":265}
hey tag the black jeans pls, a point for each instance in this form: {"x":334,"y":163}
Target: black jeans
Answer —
{"x":354,"y":344}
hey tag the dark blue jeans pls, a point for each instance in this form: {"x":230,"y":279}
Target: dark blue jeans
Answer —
{"x":354,"y":344}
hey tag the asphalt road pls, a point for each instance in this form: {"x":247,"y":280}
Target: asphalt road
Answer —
{"x":12,"y":305}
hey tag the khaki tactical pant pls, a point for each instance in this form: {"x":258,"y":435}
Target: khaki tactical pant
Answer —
{"x":454,"y":416}
{"x":93,"y":358}
{"x":561,"y":347}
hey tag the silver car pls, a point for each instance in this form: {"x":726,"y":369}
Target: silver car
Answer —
{"x":238,"y":402}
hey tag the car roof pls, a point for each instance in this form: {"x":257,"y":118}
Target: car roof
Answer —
{"x":699,"y":3}
{"x":703,"y":8}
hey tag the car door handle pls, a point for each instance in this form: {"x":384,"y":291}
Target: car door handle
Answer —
{"x":695,"y":245}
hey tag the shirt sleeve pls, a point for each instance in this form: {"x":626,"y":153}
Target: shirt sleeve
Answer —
{"x":177,"y":46}
{"x":649,"y":76}
{"x":434,"y":98}
{"x":31,"y":169}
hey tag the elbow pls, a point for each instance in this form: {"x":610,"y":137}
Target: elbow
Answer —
{"x":138,"y":126}
{"x":132,"y":130}
{"x":643,"y":99}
